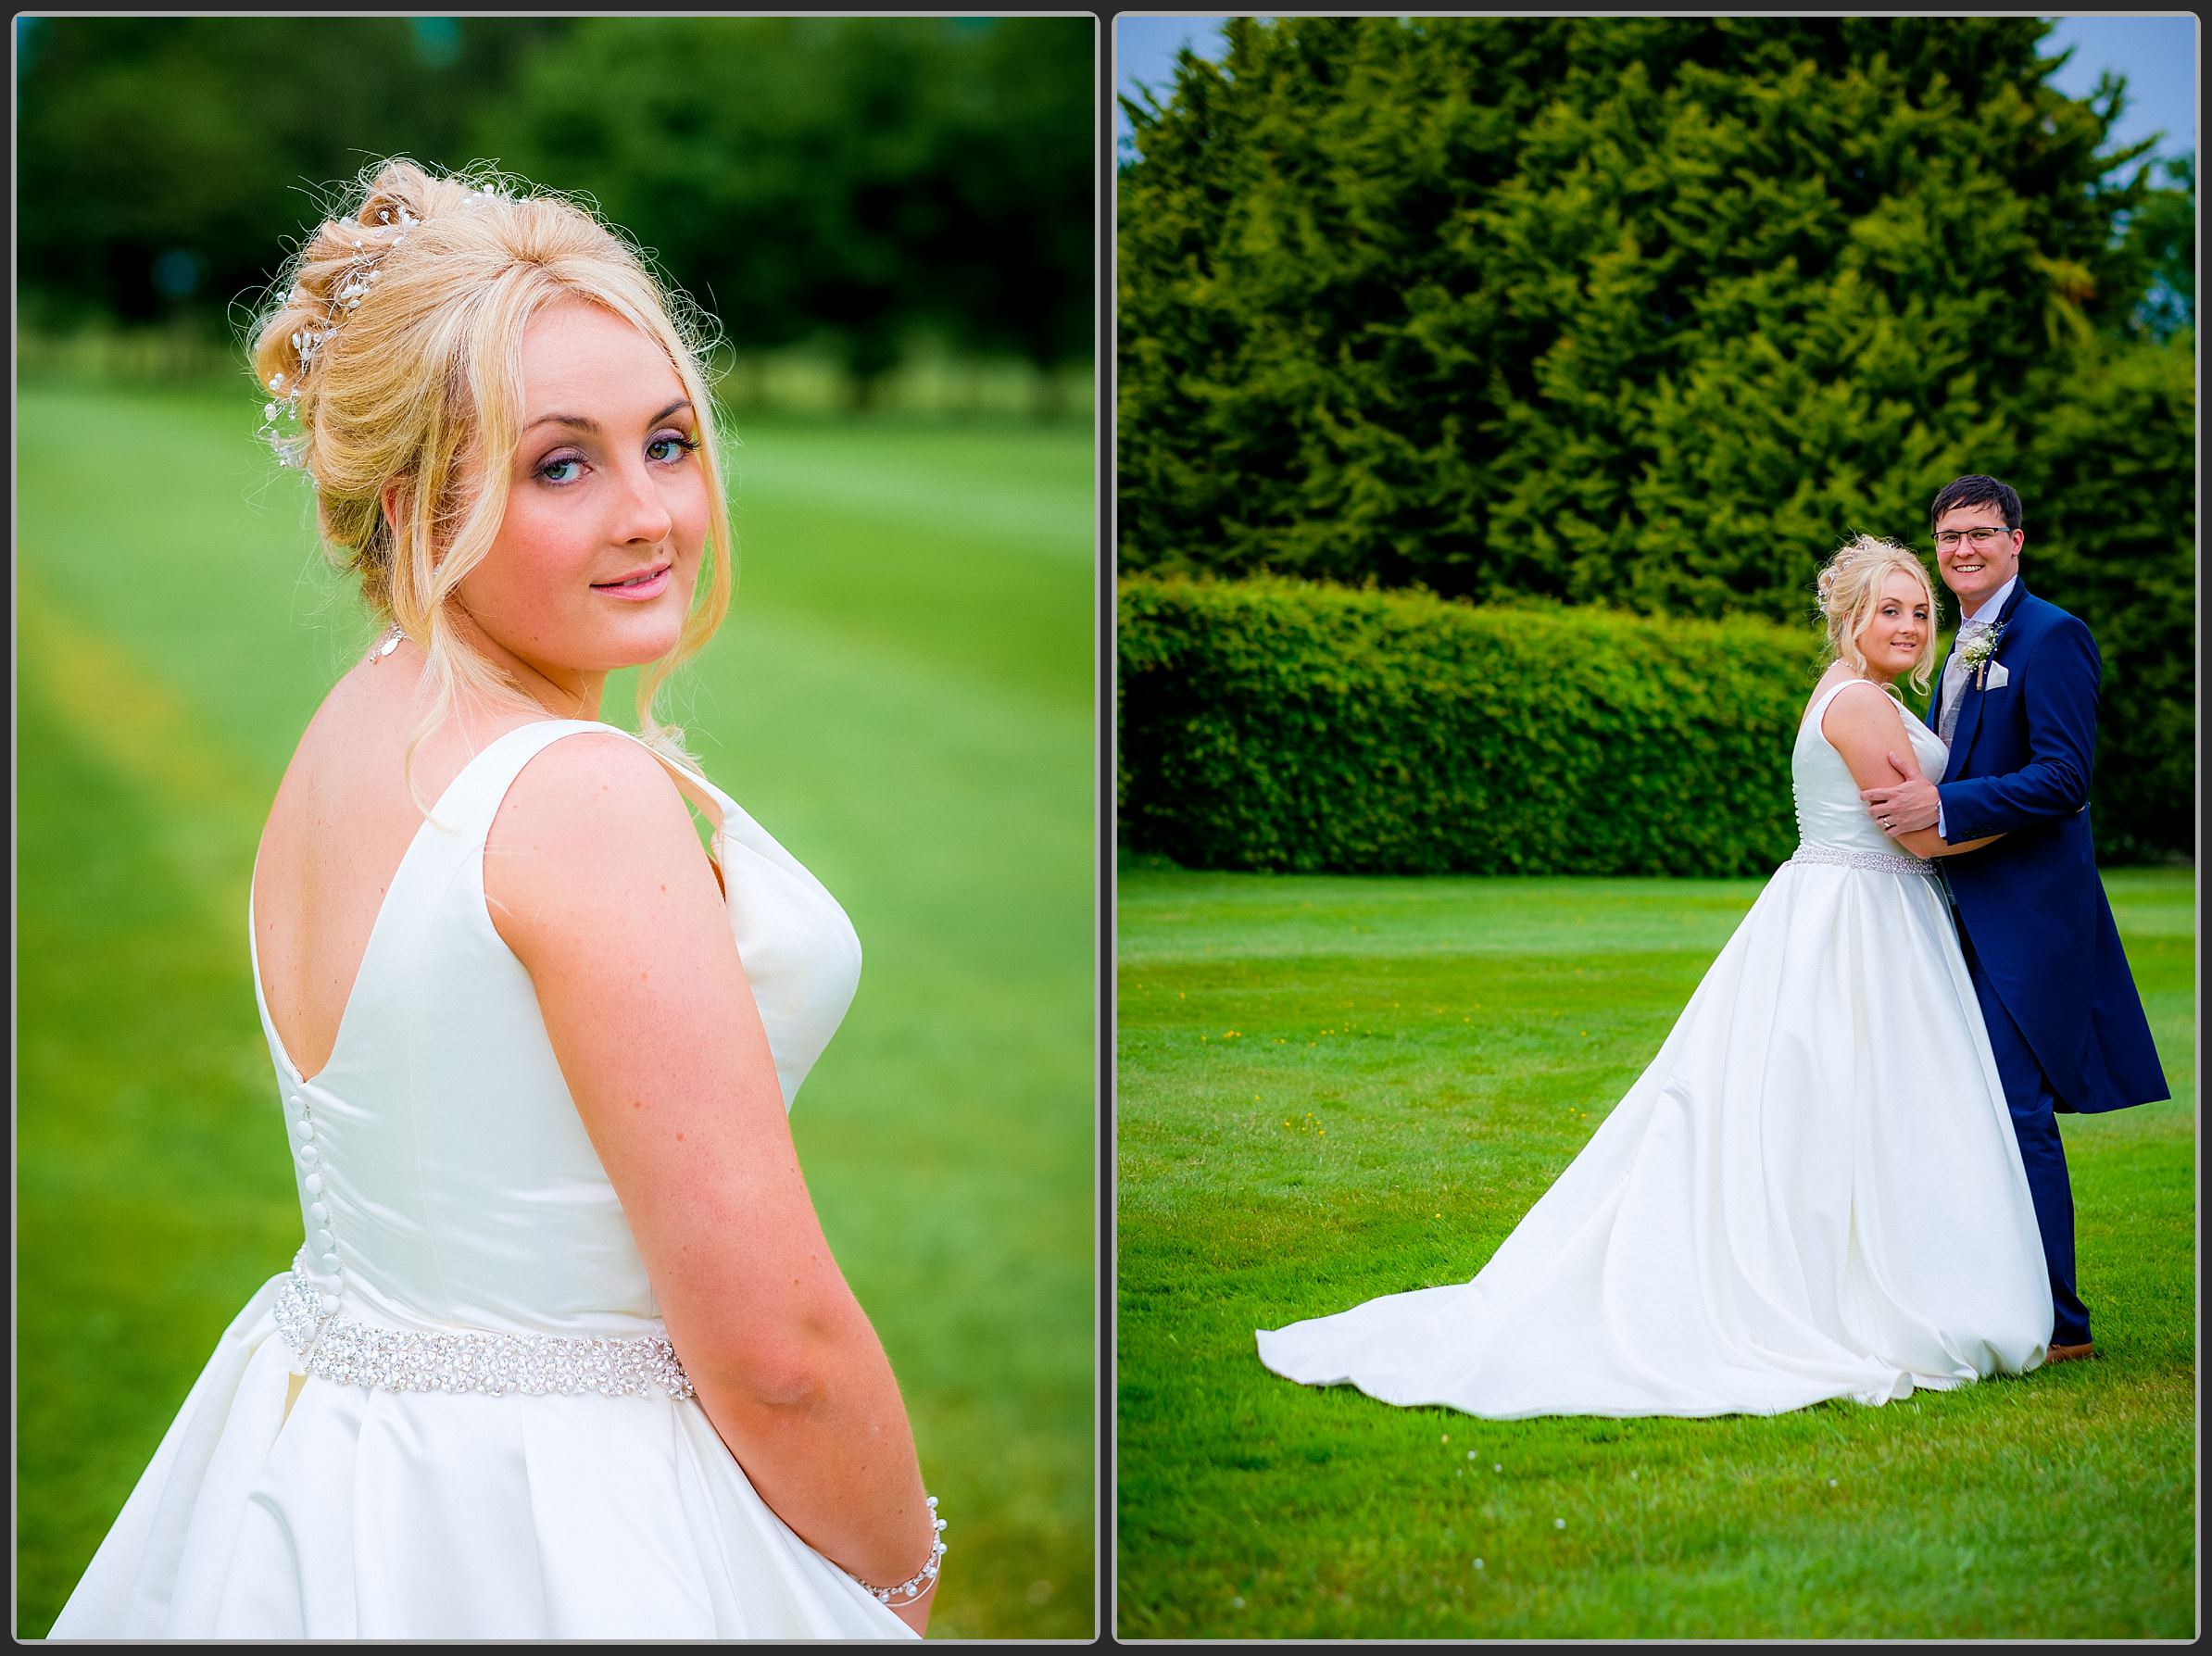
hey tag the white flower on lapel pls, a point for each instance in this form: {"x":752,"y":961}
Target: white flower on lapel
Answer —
{"x":1976,"y":655}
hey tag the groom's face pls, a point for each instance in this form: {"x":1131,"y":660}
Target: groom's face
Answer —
{"x":1975,"y":564}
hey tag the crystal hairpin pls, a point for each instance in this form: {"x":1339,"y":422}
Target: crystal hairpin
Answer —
{"x":280,"y":416}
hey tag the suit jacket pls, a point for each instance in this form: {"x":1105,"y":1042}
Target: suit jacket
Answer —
{"x":2032,"y":904}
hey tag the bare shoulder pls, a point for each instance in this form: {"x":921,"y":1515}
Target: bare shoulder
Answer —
{"x":1862,"y":703}
{"x":589,"y":778}
{"x":342,"y":723}
{"x":1865,"y":725}
{"x":593,"y":839}
{"x":350,"y":779}
{"x":358,"y":741}
{"x":1855,"y":702}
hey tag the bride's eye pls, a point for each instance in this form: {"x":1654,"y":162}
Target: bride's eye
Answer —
{"x":550,"y":471}
{"x":670,"y":448}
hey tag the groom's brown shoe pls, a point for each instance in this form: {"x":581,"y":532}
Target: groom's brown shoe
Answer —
{"x":2069,"y":1353}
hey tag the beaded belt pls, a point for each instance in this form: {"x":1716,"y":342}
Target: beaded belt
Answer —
{"x":1888,"y":862}
{"x":534,"y":1364}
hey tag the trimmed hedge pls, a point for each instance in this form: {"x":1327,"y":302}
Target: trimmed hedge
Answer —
{"x":1273,"y":723}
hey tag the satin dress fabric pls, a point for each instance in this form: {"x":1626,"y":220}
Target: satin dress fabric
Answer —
{"x":1813,"y":1192}
{"x":450,"y":1186}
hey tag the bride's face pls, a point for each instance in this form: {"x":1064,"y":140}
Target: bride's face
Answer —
{"x":1892,"y":641}
{"x":607,"y":506}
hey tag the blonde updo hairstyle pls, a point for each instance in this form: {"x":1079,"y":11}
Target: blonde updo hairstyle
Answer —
{"x":417,"y":383}
{"x":1849,"y":589}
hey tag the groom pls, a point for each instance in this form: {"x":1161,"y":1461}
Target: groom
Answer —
{"x":2017,"y":706}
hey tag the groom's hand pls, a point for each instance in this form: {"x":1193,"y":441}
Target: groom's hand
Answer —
{"x":1903,"y":806}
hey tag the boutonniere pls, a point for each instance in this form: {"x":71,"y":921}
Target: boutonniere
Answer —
{"x":1977,"y":654}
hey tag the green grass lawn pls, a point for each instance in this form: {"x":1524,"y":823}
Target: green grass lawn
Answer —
{"x":903,"y":695}
{"x":1332,"y":1088}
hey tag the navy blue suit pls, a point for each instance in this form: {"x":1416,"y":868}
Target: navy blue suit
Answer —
{"x":2065,"y":1020}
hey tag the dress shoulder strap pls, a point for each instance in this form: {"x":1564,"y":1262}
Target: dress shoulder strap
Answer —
{"x":464,"y":812}
{"x":1818,"y":709}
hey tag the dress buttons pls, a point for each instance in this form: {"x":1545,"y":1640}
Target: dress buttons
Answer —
{"x":326,"y":1242}
{"x":317,"y":1212}
{"x":330,"y":1263}
{"x":309,"y":1154}
{"x":303,"y":1130}
{"x":314,"y":1183}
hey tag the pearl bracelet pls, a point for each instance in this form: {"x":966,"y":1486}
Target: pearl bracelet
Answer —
{"x":922,"y":1580}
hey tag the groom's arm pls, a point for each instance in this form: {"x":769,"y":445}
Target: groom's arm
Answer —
{"x":2057,"y":685}
{"x":1867,"y":732}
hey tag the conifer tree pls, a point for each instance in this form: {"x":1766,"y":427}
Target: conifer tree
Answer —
{"x":1652,"y":312}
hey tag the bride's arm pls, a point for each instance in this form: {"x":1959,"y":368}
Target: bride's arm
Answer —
{"x":1866,"y":728}
{"x":596,"y":882}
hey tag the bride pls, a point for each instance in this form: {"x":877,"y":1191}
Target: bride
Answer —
{"x":1814,"y":1191}
{"x":565,"y":1354}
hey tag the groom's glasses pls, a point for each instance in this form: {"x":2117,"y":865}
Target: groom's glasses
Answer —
{"x":1950,"y":538}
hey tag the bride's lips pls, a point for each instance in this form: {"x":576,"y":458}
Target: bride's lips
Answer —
{"x":639,"y":585}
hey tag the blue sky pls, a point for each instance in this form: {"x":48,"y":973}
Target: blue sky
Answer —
{"x":2157,"y":54}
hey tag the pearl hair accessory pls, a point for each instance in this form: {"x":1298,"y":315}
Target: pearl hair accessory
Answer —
{"x":356,"y":283}
{"x":371,"y":243}
{"x":922,"y":1580}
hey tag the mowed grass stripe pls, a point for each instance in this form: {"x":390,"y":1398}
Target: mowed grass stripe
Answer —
{"x":153,"y":1195}
{"x":205,"y":803}
{"x":965,"y":552}
{"x":1310,"y":1114}
{"x":1256,"y":917}
{"x":1030,"y":473}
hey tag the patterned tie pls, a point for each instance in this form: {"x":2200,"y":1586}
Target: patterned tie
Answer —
{"x":1955,"y":680}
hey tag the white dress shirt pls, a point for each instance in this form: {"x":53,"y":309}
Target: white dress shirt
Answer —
{"x":1991,"y":606}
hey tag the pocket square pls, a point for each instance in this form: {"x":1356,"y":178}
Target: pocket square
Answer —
{"x":1998,"y":677}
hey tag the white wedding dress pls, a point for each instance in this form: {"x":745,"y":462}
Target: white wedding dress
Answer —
{"x":1813,"y":1192}
{"x":457,"y":1416}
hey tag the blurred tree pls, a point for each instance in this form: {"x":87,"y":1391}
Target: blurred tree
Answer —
{"x":1020,"y":260}
{"x":1655,"y":312}
{"x":162,"y":162}
{"x":845,"y":180}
